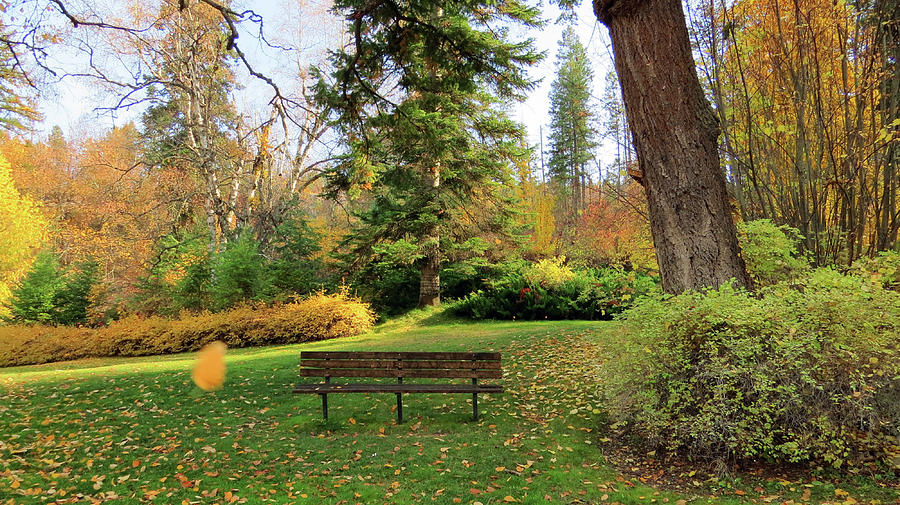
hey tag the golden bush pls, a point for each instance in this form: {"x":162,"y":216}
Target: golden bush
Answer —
{"x":318,"y":317}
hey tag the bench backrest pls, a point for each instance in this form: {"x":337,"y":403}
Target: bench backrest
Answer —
{"x":469,"y":365}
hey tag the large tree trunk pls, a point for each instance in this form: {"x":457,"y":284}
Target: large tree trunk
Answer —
{"x":675,"y":134}
{"x":430,"y":281}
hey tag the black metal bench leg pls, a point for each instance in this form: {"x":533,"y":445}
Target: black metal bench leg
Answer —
{"x":399,"y":409}
{"x":474,"y":400}
{"x":325,"y":406}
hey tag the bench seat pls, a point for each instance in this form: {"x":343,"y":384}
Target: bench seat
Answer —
{"x":397,"y":388}
{"x":330,"y":365}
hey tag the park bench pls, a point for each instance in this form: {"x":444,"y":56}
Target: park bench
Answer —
{"x":400,"y":365}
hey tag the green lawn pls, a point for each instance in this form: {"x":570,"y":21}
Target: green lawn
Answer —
{"x":136,"y":430}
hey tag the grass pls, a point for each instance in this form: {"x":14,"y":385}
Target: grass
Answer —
{"x":136,"y":430}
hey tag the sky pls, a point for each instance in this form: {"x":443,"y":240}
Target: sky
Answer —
{"x":70,"y":104}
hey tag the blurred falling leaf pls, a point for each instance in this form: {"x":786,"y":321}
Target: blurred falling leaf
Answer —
{"x":209,"y":370}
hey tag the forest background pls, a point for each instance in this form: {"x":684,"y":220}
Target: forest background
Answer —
{"x":221,"y":187}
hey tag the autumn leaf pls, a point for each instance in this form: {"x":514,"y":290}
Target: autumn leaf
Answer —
{"x":209,"y":369}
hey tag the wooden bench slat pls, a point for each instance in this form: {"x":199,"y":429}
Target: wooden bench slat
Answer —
{"x":397,"y":364}
{"x":413,"y":373}
{"x":400,"y":365}
{"x":397,"y":388}
{"x":495,"y":356}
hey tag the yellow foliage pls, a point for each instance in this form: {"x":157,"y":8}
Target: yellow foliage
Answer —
{"x":209,"y":370}
{"x":22,"y":232}
{"x":317,"y":317}
{"x":549,"y":273}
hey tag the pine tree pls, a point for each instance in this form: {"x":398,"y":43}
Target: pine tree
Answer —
{"x":572,"y":133}
{"x":74,"y":297}
{"x":35,"y":299}
{"x":420,"y":97}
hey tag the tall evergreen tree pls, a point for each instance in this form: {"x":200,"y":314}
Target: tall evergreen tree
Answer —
{"x":420,"y":95}
{"x":572,"y":133}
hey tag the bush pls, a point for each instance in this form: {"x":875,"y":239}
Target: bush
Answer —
{"x":390,"y":281}
{"x":549,"y":273}
{"x":884,"y":269}
{"x":317,"y":317}
{"x":771,"y":252}
{"x":462,"y":278}
{"x":74,"y":298}
{"x":545,"y":291}
{"x":193,"y":291}
{"x":807,"y":372}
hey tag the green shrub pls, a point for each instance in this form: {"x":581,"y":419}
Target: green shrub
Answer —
{"x":193,"y":291}
{"x":587,"y":294}
{"x":317,"y":317}
{"x":390,"y":281}
{"x":806,"y":372}
{"x":884,"y":268}
{"x":74,"y":298}
{"x":462,"y":278}
{"x":771,"y":252}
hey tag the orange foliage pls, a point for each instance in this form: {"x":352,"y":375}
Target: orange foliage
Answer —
{"x":615,"y":231}
{"x":99,"y":199}
{"x":802,"y":87}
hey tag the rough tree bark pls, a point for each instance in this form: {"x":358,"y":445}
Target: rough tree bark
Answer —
{"x":430,"y":281}
{"x":675,"y":133}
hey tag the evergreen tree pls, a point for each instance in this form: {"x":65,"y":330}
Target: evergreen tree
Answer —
{"x":296,"y":269}
{"x":49,"y":294}
{"x":420,"y":96}
{"x":572,"y":134}
{"x":34,"y":300}
{"x":240,"y":273}
{"x":74,"y":297}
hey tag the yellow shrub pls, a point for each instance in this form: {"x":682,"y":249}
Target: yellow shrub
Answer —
{"x":549,"y":273}
{"x":317,"y":317}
